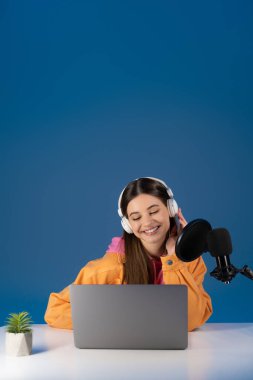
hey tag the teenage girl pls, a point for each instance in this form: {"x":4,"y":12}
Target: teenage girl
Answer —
{"x":144,"y":254}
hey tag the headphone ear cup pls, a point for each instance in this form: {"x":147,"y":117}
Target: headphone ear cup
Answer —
{"x":125,"y":224}
{"x":172,"y":207}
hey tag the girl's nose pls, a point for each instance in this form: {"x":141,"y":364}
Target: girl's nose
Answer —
{"x":147,"y":220}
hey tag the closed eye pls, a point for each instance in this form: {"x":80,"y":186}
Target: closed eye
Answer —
{"x":150,"y":214}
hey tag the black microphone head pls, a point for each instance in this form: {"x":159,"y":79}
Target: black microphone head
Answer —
{"x":219,"y":242}
{"x":191,"y":243}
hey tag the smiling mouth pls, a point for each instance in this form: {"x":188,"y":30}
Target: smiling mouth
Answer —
{"x":151,"y":231}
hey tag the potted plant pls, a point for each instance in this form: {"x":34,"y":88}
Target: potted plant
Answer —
{"x":18,"y":338}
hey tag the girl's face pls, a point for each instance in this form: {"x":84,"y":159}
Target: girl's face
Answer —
{"x":149,"y":219}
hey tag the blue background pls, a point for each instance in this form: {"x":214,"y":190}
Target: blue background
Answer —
{"x":95,"y":94}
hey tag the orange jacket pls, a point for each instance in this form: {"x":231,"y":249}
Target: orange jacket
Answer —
{"x":109,"y":270}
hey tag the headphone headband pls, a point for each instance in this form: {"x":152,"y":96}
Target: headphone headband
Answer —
{"x":169,"y":191}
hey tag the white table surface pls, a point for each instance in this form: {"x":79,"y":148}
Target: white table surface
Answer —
{"x":216,"y":351}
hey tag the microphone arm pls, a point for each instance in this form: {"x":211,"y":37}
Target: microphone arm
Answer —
{"x":225,"y":271}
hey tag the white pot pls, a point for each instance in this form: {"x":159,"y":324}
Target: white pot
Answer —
{"x":19,"y":344}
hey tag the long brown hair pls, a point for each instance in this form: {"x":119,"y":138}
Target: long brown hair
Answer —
{"x":137,"y":266}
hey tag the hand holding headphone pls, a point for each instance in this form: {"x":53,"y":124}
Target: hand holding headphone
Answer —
{"x":171,"y":204}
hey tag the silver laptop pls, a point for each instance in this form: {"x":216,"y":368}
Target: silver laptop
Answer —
{"x":130,"y":316}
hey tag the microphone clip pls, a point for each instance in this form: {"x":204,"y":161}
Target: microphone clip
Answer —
{"x":230,"y":272}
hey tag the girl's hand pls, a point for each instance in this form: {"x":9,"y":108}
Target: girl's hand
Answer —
{"x":181,"y":218}
{"x":171,"y":242}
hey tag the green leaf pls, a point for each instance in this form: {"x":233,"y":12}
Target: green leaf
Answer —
{"x":19,"y":323}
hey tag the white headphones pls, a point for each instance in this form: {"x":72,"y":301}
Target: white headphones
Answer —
{"x":171,"y":204}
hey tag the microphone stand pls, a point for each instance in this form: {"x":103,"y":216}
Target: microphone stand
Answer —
{"x":225,"y":271}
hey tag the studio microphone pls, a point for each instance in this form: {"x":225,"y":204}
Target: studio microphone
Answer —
{"x":198,"y":237}
{"x":219,"y":245}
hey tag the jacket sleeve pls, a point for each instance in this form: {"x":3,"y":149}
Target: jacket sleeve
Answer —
{"x":58,"y":312}
{"x":199,"y":302}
